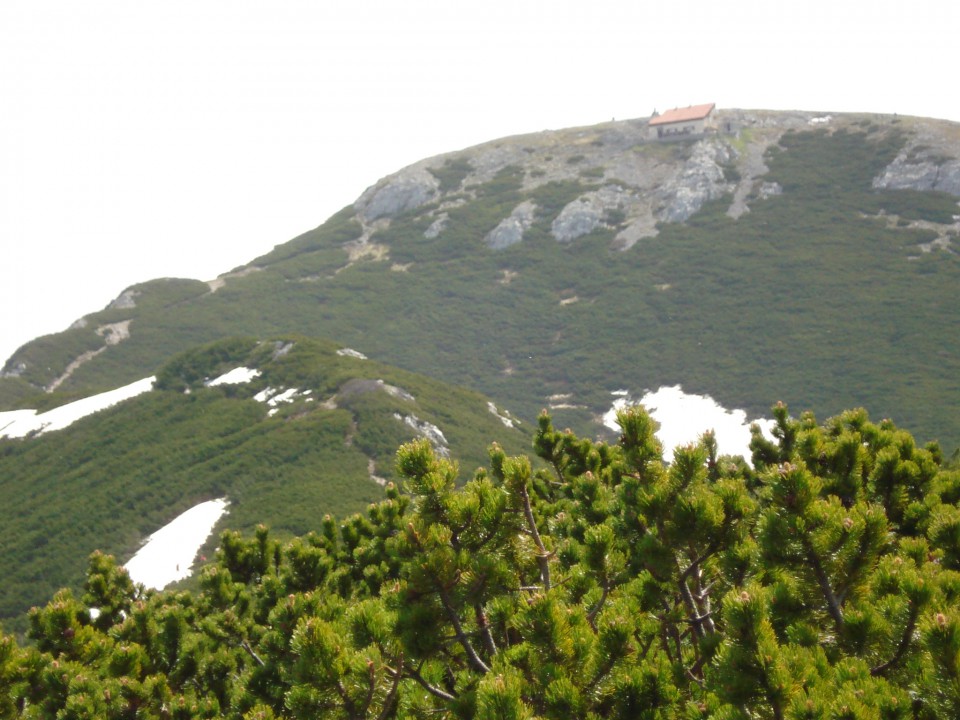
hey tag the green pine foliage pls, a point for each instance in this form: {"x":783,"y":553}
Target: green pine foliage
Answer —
{"x":599,"y":581}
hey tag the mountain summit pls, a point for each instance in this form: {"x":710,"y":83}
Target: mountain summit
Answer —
{"x":764,"y":255}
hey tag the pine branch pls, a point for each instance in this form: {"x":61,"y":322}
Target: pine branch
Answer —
{"x":833,"y":605}
{"x":642,"y":655}
{"x":665,"y":640}
{"x":495,"y":530}
{"x":695,"y":621}
{"x":698,"y":614}
{"x":485,"y":634}
{"x":371,"y":686}
{"x":856,"y":568}
{"x":543,"y":556}
{"x":592,"y":615}
{"x":473,"y":658}
{"x":433,"y":690}
{"x":246,"y":646}
{"x":774,"y":703}
{"x":902,"y":646}
{"x":391,"y":699}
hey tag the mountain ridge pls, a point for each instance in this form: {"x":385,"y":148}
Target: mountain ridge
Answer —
{"x":289,"y":429}
{"x":503,"y":209}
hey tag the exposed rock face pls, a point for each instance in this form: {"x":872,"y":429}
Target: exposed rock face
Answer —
{"x":408,"y":189}
{"x":700,"y":180}
{"x":769,"y":189}
{"x":114,"y":333}
{"x":920,"y":169}
{"x":358,"y":386}
{"x":437,"y":226}
{"x":587,"y":213}
{"x":510,"y":230}
{"x":126,"y":300}
{"x":14,"y":369}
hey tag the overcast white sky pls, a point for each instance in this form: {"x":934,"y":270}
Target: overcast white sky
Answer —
{"x":143,"y":139}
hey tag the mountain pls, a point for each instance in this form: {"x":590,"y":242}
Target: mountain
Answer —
{"x":288,"y":429}
{"x":783,"y":256}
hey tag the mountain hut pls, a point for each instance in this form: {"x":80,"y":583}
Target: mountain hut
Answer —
{"x":692,"y":120}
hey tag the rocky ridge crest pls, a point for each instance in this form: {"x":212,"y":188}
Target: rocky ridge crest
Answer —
{"x":634,"y":183}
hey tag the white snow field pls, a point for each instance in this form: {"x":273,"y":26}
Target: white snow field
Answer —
{"x":169,"y":553}
{"x":20,"y":423}
{"x":684,"y":417}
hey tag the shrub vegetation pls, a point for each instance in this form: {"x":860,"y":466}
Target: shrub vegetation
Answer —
{"x":820,"y":582}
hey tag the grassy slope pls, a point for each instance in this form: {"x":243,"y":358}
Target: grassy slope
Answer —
{"x":806,"y":298}
{"x":114,"y":477}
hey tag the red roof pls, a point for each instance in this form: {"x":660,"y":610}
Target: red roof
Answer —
{"x":693,"y":112}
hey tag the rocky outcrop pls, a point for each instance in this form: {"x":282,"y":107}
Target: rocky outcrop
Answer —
{"x":510,"y":230}
{"x":587,"y":213}
{"x":769,"y":190}
{"x":920,"y":169}
{"x":126,"y":300}
{"x":700,"y":180}
{"x":403,"y":191}
{"x":437,"y":226}
{"x":13,"y":368}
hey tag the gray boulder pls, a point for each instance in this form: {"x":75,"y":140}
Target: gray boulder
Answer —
{"x":913,"y":170}
{"x":406,"y":190}
{"x":510,"y":230}
{"x":587,"y":213}
{"x":769,"y":190}
{"x":437,"y":227}
{"x":699,"y":181}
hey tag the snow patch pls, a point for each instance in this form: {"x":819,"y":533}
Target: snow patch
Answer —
{"x":372,"y":471}
{"x":350,"y":352}
{"x":168,"y":554}
{"x":273,"y":397}
{"x":504,"y":418}
{"x":20,"y":423}
{"x":684,"y":417}
{"x":427,"y":430}
{"x":237,"y":376}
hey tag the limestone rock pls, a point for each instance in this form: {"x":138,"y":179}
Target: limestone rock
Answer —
{"x":587,"y":213}
{"x":406,"y":190}
{"x":13,"y":368}
{"x":700,"y":180}
{"x":920,"y":170}
{"x":510,"y":230}
{"x":640,"y":227}
{"x":769,"y":189}
{"x":437,"y":226}
{"x":126,"y":300}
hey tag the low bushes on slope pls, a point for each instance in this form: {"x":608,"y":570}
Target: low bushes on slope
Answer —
{"x":822,"y":582}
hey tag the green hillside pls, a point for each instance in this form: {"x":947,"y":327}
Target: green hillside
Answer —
{"x":827,"y":292}
{"x":112,"y":478}
{"x":784,"y":256}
